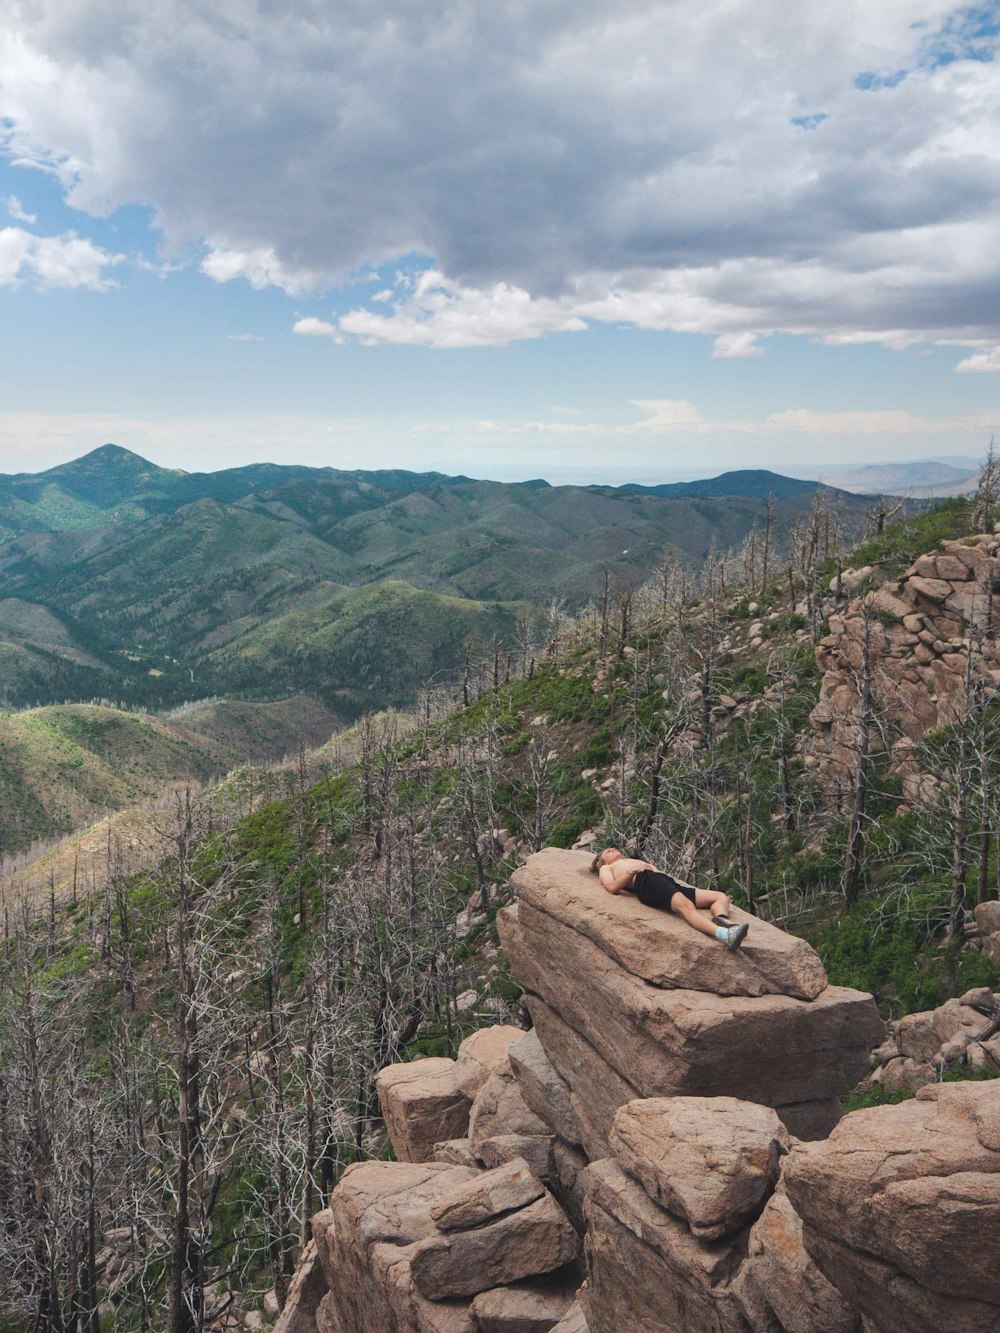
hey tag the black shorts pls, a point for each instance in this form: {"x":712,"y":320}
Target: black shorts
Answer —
{"x":655,"y":889}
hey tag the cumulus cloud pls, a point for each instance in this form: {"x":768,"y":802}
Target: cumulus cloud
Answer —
{"x":623,"y":161}
{"x":53,"y":261}
{"x":981,"y":363}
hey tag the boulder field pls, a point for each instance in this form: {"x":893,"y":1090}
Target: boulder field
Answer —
{"x":660,"y":1153}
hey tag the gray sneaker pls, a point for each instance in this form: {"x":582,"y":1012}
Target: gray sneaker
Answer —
{"x":735,"y":935}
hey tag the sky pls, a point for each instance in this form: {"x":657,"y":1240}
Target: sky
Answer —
{"x":590,"y":240}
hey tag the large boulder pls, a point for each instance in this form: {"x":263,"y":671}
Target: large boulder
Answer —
{"x":535,"y":1239}
{"x":389,"y":1266}
{"x":901,"y":1207}
{"x":377,"y":1211}
{"x":772,"y":1049}
{"x":422,"y":1105}
{"x":480,"y":1054}
{"x":646,"y":1270}
{"x":658,"y":946}
{"x":485,"y":1197}
{"x":709,"y":1160}
{"x":305,"y":1291}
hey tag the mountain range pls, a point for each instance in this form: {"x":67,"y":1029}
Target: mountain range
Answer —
{"x":150,"y":585}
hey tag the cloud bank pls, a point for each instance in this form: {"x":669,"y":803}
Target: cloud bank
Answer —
{"x":734,"y":169}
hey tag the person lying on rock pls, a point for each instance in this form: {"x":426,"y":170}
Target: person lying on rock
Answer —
{"x":656,"y":888}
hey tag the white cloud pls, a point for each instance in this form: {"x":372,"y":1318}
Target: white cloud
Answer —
{"x":245,"y":337}
{"x":16,"y":210}
{"x":623,"y":161}
{"x":440,"y":313}
{"x":981,"y":363}
{"x":311,"y":327}
{"x":736,"y":346}
{"x":53,"y":261}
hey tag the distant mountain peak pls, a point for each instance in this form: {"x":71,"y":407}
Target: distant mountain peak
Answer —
{"x":113,"y":455}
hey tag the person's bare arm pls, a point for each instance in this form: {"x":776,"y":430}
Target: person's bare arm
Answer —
{"x":609,"y":880}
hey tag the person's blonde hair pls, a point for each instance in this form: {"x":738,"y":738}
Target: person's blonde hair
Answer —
{"x":595,"y":865}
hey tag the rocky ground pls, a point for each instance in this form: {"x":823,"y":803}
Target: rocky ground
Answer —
{"x":660,"y":1152}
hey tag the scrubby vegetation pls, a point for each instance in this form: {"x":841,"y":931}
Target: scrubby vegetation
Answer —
{"x":202,"y":1038}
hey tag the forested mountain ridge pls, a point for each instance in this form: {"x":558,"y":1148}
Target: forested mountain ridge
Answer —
{"x":153,"y":586}
{"x":65,"y":765}
{"x":350,"y":921}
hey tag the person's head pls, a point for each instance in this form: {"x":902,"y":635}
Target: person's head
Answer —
{"x":604,"y":859}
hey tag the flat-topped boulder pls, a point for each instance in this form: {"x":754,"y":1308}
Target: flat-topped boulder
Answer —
{"x":711,"y":1161}
{"x":900,"y":1209}
{"x":422,"y":1105}
{"x":658,"y":946}
{"x":772,"y":1049}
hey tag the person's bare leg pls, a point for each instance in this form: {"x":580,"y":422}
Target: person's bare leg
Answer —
{"x":715,"y":900}
{"x":685,"y":908}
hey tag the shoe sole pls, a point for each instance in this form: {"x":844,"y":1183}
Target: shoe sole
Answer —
{"x":741,"y":934}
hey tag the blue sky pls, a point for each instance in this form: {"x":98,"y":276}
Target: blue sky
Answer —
{"x":587,"y":241}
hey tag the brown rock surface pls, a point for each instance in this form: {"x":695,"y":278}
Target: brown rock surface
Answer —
{"x":658,"y":946}
{"x":536,"y":1239}
{"x":810,"y":1120}
{"x":499,"y":1108}
{"x":939,"y":598}
{"x":574,"y":1321}
{"x":901,"y":1205}
{"x":786,"y":1279}
{"x":480,"y":1053}
{"x":305,"y":1291}
{"x":647,"y":1273}
{"x":486,"y":1196}
{"x":544,"y":1092}
{"x":526,"y":1307}
{"x":381,"y":1207}
{"x":456,"y":1152}
{"x":988,"y":917}
{"x":421,"y":1105}
{"x":601,"y":1089}
{"x":709,"y":1160}
{"x":772,"y":1049}
{"x":535,"y":1150}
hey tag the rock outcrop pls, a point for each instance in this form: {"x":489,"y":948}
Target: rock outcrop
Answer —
{"x":409,"y":1247}
{"x":919,"y":643}
{"x":921,"y":1047}
{"x":614,"y":1034}
{"x":655,"y":1129}
{"x":900,"y":1209}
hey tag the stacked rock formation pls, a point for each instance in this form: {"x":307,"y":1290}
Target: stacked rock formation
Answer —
{"x":630,"y":1002}
{"x":919,"y":643}
{"x":635,"y":1162}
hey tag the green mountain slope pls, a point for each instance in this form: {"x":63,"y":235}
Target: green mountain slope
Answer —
{"x":146,"y":575}
{"x":67,"y":765}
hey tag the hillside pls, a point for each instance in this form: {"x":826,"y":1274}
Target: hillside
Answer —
{"x":64,"y":766}
{"x":154,"y":586}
